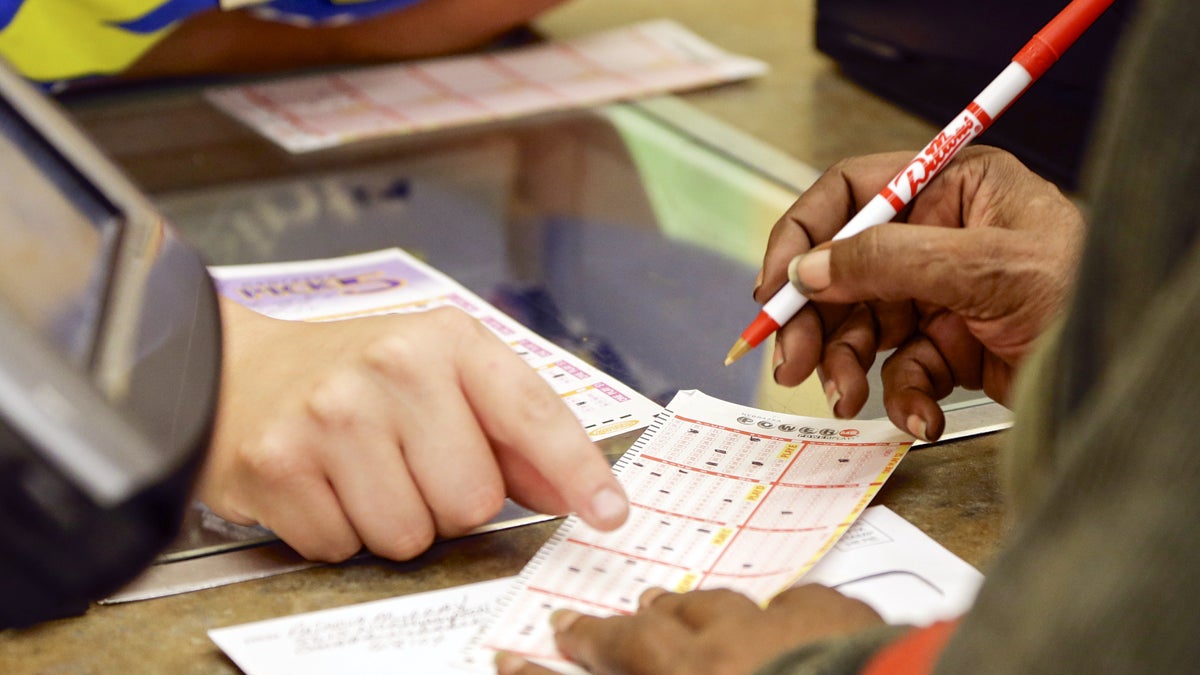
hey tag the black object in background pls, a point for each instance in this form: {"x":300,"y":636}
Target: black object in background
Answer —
{"x":933,"y":56}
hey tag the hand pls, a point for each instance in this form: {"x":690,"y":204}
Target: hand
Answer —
{"x":977,"y":266}
{"x":387,"y":431}
{"x":718,"y":631}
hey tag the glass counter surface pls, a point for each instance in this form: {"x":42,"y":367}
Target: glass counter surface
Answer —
{"x":629,"y":234}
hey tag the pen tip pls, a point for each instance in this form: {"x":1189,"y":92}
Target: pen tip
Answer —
{"x":740,"y":349}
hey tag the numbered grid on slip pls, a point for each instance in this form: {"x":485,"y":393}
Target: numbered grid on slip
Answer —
{"x":719,"y":498}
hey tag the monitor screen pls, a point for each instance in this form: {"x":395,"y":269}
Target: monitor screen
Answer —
{"x":58,"y":235}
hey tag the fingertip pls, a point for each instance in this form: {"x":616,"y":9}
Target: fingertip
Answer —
{"x":571,"y":645}
{"x":649,"y":595}
{"x":916,"y":427}
{"x":561,"y":620}
{"x":508,"y":663}
{"x":923,"y":429}
{"x":608,"y":509}
{"x":809,"y":272}
{"x":832,"y":396}
{"x":936,"y":427}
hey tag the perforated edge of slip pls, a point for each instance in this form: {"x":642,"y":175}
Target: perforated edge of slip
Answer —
{"x":474,"y":648}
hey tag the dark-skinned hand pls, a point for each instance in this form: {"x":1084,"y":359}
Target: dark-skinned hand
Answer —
{"x":960,"y":286}
{"x":712,"y":632}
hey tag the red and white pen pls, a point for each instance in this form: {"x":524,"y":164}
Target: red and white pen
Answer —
{"x":1034,"y":59}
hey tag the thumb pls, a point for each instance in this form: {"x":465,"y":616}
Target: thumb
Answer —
{"x":949,"y":267}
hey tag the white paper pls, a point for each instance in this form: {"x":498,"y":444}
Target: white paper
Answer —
{"x":393,"y":282}
{"x":426,"y":632}
{"x":894,"y":567}
{"x":312,"y":112}
{"x":418,"y":633}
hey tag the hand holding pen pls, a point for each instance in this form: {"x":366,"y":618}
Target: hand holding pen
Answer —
{"x":980,"y":265}
{"x":1034,"y":59}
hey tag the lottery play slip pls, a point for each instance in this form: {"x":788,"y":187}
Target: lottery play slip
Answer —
{"x":723,"y":496}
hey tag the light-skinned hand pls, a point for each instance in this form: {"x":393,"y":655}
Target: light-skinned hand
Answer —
{"x":388,"y":431}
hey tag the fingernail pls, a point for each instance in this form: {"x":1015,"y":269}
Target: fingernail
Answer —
{"x":757,"y":283}
{"x":562,"y":619}
{"x":809,"y":273}
{"x":610,"y":507}
{"x":776,"y":360}
{"x":649,"y":595}
{"x":832,"y":395}
{"x":916,"y":427}
{"x":508,"y":663}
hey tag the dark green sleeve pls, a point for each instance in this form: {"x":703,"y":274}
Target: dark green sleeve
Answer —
{"x":1100,"y":572}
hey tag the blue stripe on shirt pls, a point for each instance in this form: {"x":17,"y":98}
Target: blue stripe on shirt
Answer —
{"x":164,"y":15}
{"x":8,"y":9}
{"x":320,"y":10}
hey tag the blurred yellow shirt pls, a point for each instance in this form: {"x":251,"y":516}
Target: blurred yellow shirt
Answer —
{"x":56,"y":40}
{"x":51,"y":40}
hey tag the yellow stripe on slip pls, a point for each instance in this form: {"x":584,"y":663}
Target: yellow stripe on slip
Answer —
{"x":687,"y":583}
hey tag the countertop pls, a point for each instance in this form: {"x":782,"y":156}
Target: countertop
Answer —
{"x":803,"y":107}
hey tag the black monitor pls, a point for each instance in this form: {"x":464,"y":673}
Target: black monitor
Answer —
{"x":934,"y":56}
{"x":109,"y":367}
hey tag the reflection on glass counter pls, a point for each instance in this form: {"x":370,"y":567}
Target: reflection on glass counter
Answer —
{"x":607,"y":232}
{"x":629,"y":235}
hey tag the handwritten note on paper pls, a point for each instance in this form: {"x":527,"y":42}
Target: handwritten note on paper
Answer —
{"x":722,"y":496}
{"x":393,"y":282}
{"x":417,"y":633}
{"x":309,"y":113}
